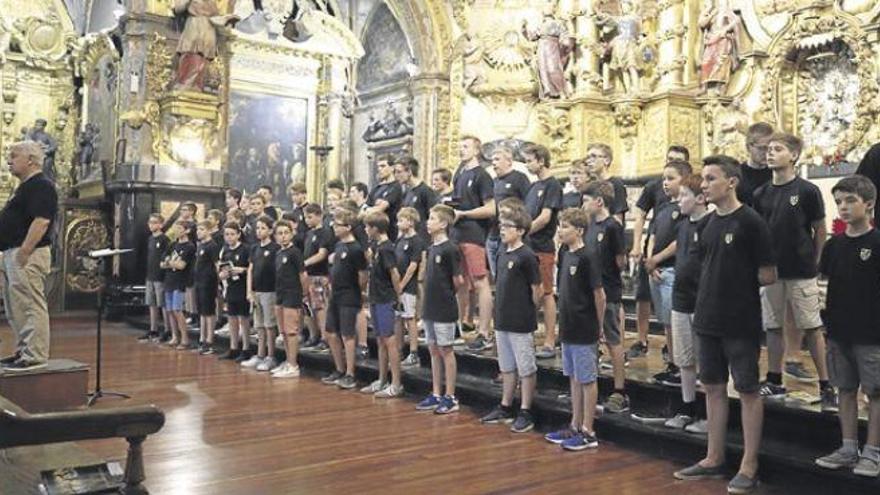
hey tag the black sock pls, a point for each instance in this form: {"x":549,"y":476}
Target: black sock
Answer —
{"x":689,"y":408}
{"x":823,"y":384}
{"x":774,"y":378}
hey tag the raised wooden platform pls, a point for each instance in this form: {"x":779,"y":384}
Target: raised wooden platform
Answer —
{"x":61,"y":386}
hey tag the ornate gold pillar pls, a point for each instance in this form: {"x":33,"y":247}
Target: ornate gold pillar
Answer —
{"x":667,"y":120}
{"x":429,"y":92}
{"x":589,"y":74}
{"x":671,"y":32}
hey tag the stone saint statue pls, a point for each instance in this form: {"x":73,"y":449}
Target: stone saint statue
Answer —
{"x":555,"y":45}
{"x":50,"y":146}
{"x":720,"y":50}
{"x":88,"y":142}
{"x":197,"y":46}
{"x":624,"y":46}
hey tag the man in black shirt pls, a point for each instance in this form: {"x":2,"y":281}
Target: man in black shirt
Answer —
{"x":26,"y":226}
{"x":387,"y":195}
{"x":441,"y":184}
{"x":737,"y":259}
{"x":795,"y":212}
{"x":473,"y":193}
{"x":417,"y":194}
{"x":651,"y":198}
{"x":543,"y":202}
{"x":509,"y":183}
{"x":359,"y":193}
{"x":851,"y":262}
{"x":754,"y":171}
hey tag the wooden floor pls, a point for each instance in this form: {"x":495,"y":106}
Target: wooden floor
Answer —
{"x":235,"y":432}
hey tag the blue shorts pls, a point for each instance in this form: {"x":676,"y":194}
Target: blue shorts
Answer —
{"x":174,"y":300}
{"x":382,"y":318}
{"x":661,"y":295}
{"x":580,"y":361}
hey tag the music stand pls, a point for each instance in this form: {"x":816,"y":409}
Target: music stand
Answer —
{"x":100,"y":255}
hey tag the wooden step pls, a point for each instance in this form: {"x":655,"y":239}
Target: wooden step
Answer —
{"x":60,"y":386}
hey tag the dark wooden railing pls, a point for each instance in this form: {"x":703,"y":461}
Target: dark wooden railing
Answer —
{"x":19,"y":428}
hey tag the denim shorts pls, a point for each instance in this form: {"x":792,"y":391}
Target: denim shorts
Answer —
{"x":661,"y":295}
{"x":174,"y":300}
{"x":580,"y":361}
{"x":382,"y":318}
{"x":493,"y":247}
{"x":516,"y":352}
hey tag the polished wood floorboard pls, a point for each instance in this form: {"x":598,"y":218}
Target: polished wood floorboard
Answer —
{"x":235,"y":432}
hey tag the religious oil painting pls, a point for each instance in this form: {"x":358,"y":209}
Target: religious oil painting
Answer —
{"x":267,"y":142}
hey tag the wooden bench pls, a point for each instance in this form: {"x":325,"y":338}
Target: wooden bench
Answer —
{"x":20,"y":428}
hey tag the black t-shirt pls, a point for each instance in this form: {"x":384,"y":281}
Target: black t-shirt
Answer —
{"x":790,"y":210}
{"x":443,"y":264}
{"x":299,"y":217}
{"x":852,"y":265}
{"x":687,"y":265}
{"x":327,"y":221}
{"x":217,"y":237}
{"x":605,"y":240}
{"x":157,"y":248}
{"x":732,"y":248}
{"x":472,"y":188}
{"x":619,"y":206}
{"x":348,"y":261}
{"x":316,"y":239}
{"x":263,"y":263}
{"x":34,"y":198}
{"x":299,"y":242}
{"x":574,"y":199}
{"x":513,"y":185}
{"x":381,"y":286}
{"x":752,"y":179}
{"x":422,"y":198}
{"x":409,"y":250}
{"x":271,"y":212}
{"x":359,"y":231}
{"x":664,"y":228}
{"x":236,"y":284}
{"x":177,"y":279}
{"x":579,"y":276}
{"x":207,"y":254}
{"x":288,"y":266}
{"x":652,"y":197}
{"x":392,"y":193}
{"x":514,"y":304}
{"x":542,"y":194}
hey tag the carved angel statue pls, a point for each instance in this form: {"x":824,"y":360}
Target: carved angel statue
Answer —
{"x":197,"y":46}
{"x":626,"y":58}
{"x":555,"y":46}
{"x":720,"y":46}
{"x":729,"y":137}
{"x":5,"y":38}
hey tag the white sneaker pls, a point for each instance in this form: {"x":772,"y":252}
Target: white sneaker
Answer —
{"x":678,"y":422}
{"x":252,"y":363}
{"x":286,"y":371}
{"x":373,"y":387}
{"x":267,"y":364}
{"x":700,"y":426}
{"x":223,"y":331}
{"x":278,"y":369}
{"x":389,"y":392}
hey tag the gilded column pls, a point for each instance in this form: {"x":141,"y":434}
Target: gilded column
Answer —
{"x":589,"y":70}
{"x":671,"y":34}
{"x":428,"y":91}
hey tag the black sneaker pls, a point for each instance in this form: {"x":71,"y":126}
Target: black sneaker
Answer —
{"x":321,"y":348}
{"x":243,"y":356}
{"x":146,"y":337}
{"x":772,"y":391}
{"x":673,"y":376}
{"x":363,"y":352}
{"x":664,"y":352}
{"x":10,"y":359}
{"x":231,"y":354}
{"x":346,"y":382}
{"x":22,"y":365}
{"x":524,"y":422}
{"x":309,"y":344}
{"x":829,"y":399}
{"x":501,"y":414}
{"x":331,"y":378}
{"x":208,"y":350}
{"x":637,"y":350}
{"x":479,"y":344}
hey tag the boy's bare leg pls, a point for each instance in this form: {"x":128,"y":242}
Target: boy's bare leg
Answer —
{"x":451,"y":369}
{"x":350,"y":344}
{"x":591,"y":395}
{"x":234,"y":343}
{"x":394,"y":360}
{"x":508,"y":388}
{"x":361,"y":327}
{"x":436,"y":370}
{"x":717,"y":410}
{"x":261,"y":342}
{"x":484,"y":293}
{"x":528,"y":390}
{"x":270,"y":341}
{"x":752,"y":406}
{"x":244,"y":326}
{"x":336,"y":351}
{"x":577,"y":403}
{"x":848,"y":415}
{"x":181,"y":328}
{"x":383,"y":358}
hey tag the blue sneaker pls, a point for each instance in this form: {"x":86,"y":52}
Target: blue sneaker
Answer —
{"x":581,"y":441}
{"x":448,"y":404}
{"x":429,"y":403}
{"x":560,"y":436}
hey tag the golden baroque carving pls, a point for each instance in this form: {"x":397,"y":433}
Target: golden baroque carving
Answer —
{"x":85,"y":232}
{"x":684,"y":127}
{"x":43,"y":40}
{"x":831,"y":28}
{"x":159,"y":66}
{"x":626,"y":118}
{"x":556,"y":125}
{"x":88,"y":50}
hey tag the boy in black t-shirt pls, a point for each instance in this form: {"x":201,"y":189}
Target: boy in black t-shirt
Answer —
{"x":291,"y":283}
{"x":157,"y":248}
{"x":794,"y":210}
{"x":660,"y":259}
{"x":692,"y":205}
{"x":737,"y":259}
{"x":440,"y":311}
{"x":605,"y":241}
{"x":410,"y":255}
{"x":517,"y":295}
{"x":384,"y":286}
{"x":851,"y":262}
{"x":319,"y":243}
{"x":261,"y":294}
{"x":387,"y":194}
{"x":581,"y":313}
{"x":233,"y":267}
{"x":179,"y":265}
{"x":348,"y":277}
{"x":207,"y":254}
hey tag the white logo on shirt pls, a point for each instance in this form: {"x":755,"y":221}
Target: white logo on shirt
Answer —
{"x":265,"y":253}
{"x":437,"y":259}
{"x":470,"y":182}
{"x":696,"y":237}
{"x":284,"y":260}
{"x":540,"y":193}
{"x":572,"y":270}
{"x":600,"y":236}
{"x":314,"y":238}
{"x":794,"y":200}
{"x":415,"y":199}
{"x":235,"y":257}
{"x":344,"y":254}
{"x":864,"y":254}
{"x":728,"y":238}
{"x":158,"y":245}
{"x":507,"y":186}
{"x":510,"y":265}
{"x":405,"y":247}
{"x":675,"y":215}
{"x":202,"y":252}
{"x":385,"y":194}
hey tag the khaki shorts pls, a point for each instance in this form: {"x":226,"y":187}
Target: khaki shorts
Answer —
{"x":264,"y":310}
{"x":803,"y":297}
{"x":546,"y":266}
{"x":684,"y":340}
